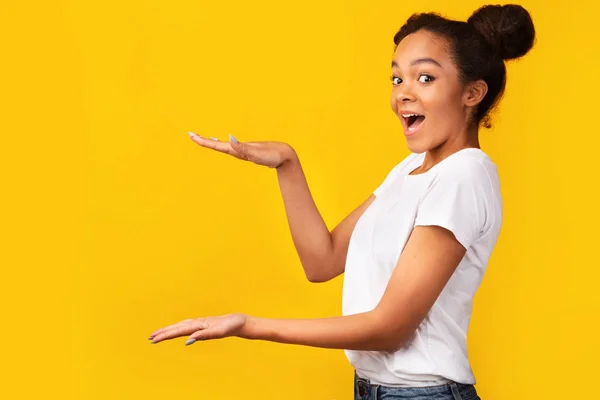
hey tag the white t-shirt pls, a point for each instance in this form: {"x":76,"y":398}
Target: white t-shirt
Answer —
{"x":462,"y":194}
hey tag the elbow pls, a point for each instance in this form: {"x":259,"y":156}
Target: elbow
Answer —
{"x":393,"y":346}
{"x":387,"y":342}
{"x":396,"y":339}
{"x":389,"y":338}
{"x":315,"y":278}
{"x":382,"y":342}
{"x":321,"y":268}
{"x":317,"y":273}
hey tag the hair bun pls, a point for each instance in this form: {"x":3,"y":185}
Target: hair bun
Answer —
{"x":508,"y":28}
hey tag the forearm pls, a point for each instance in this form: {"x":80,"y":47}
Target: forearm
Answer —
{"x":365,"y":331}
{"x":311,"y":237}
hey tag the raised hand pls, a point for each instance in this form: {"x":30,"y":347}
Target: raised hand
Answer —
{"x":269,"y":154}
{"x":202,"y":328}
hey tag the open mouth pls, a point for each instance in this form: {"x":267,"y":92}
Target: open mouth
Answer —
{"x":412,"y":121}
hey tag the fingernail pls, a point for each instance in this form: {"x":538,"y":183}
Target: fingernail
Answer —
{"x":233,"y":139}
{"x":214,"y":138}
{"x":150,"y":338}
{"x":192,"y":134}
{"x":190,"y":341}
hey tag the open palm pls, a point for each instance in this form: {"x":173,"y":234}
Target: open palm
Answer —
{"x":269,"y":154}
{"x":202,"y":328}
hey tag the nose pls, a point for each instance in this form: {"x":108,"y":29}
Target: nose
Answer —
{"x":405,"y":94}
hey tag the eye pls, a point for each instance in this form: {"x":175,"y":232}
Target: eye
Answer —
{"x":424,"y":78}
{"x":396,"y":80}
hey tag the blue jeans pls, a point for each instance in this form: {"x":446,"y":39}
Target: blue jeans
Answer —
{"x":364,"y":390}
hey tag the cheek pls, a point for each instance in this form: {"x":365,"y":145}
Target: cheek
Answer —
{"x":442,"y":104}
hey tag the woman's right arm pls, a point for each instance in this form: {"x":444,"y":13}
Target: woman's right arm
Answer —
{"x":322,"y":253}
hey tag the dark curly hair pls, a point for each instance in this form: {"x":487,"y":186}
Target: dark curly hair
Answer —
{"x":479,"y":46}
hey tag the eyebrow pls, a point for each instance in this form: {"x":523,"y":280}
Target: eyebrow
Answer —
{"x":420,"y":61}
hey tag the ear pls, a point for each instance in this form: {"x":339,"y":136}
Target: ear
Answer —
{"x":475,"y":92}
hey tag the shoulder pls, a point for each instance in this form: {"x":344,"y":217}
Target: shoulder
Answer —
{"x":467,"y":179}
{"x":468,"y":167}
{"x":463,"y":196}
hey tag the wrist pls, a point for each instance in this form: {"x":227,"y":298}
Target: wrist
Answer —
{"x":289,"y":157}
{"x":248,"y":330}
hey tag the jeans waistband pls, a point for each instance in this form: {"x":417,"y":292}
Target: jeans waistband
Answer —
{"x":365,"y":390}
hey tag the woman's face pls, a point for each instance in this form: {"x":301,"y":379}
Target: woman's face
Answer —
{"x":427,"y":95}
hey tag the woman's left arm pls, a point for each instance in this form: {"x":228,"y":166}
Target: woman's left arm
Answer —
{"x":426,"y":264}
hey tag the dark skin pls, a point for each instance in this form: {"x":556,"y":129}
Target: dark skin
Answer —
{"x":426,"y":82}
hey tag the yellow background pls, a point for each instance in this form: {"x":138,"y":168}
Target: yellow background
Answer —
{"x":114,"y":223}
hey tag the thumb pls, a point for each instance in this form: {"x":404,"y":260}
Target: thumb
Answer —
{"x":241,"y":149}
{"x":232,"y":139}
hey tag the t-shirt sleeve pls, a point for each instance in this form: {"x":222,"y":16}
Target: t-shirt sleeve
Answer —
{"x":458,"y":202}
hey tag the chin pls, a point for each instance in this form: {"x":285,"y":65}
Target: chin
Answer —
{"x":416,"y":146}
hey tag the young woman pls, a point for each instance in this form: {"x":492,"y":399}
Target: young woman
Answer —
{"x":414,"y":253}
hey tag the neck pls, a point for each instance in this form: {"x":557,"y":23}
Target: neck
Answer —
{"x":467,"y":139}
